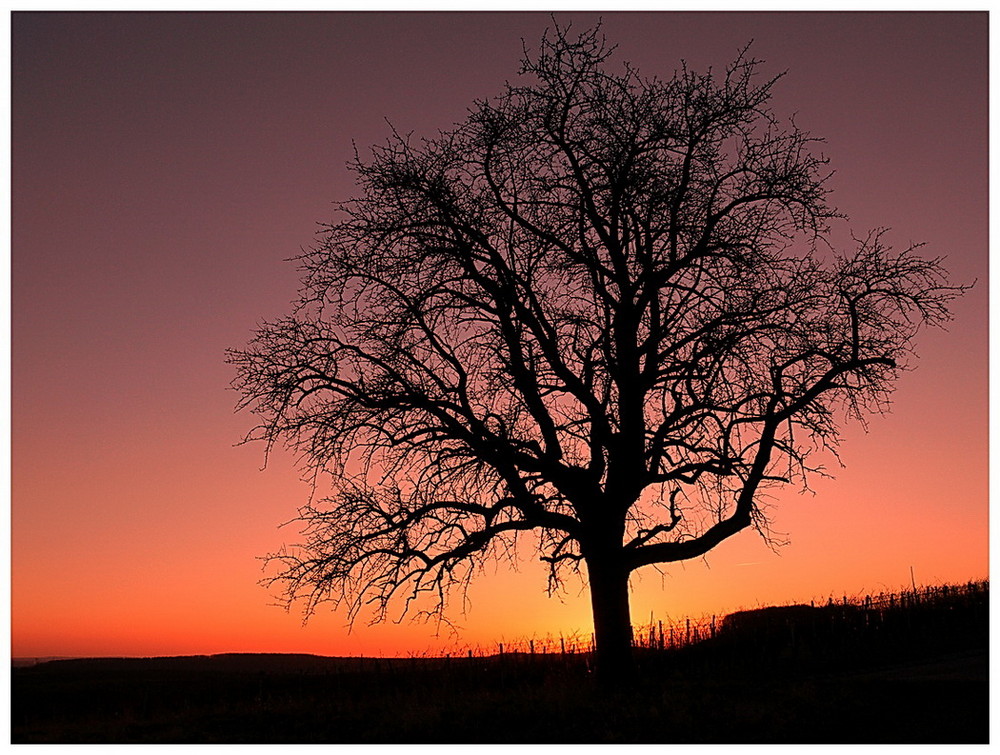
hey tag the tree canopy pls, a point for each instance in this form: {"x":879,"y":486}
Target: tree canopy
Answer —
{"x":602,"y":310}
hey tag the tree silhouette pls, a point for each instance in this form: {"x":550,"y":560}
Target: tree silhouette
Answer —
{"x":597,"y":311}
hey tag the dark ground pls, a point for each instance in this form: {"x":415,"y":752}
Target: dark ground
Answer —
{"x":921,"y":677}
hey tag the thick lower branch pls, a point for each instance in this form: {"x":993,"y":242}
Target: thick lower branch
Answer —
{"x":658,"y":553}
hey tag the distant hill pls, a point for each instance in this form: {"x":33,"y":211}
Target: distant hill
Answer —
{"x":293,"y":663}
{"x":26,"y":661}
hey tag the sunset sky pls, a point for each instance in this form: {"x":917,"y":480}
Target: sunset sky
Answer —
{"x":165,"y":167}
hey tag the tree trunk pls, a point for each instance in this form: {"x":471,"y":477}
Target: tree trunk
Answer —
{"x":612,"y":621}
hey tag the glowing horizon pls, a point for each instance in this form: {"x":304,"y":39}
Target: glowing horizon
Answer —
{"x":164,"y":166}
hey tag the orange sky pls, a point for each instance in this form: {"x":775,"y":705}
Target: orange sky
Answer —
{"x":162,"y":169}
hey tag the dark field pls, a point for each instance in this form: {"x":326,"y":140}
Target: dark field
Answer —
{"x":914,"y":674}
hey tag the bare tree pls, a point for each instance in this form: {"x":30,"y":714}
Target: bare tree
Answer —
{"x":598,"y":312}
